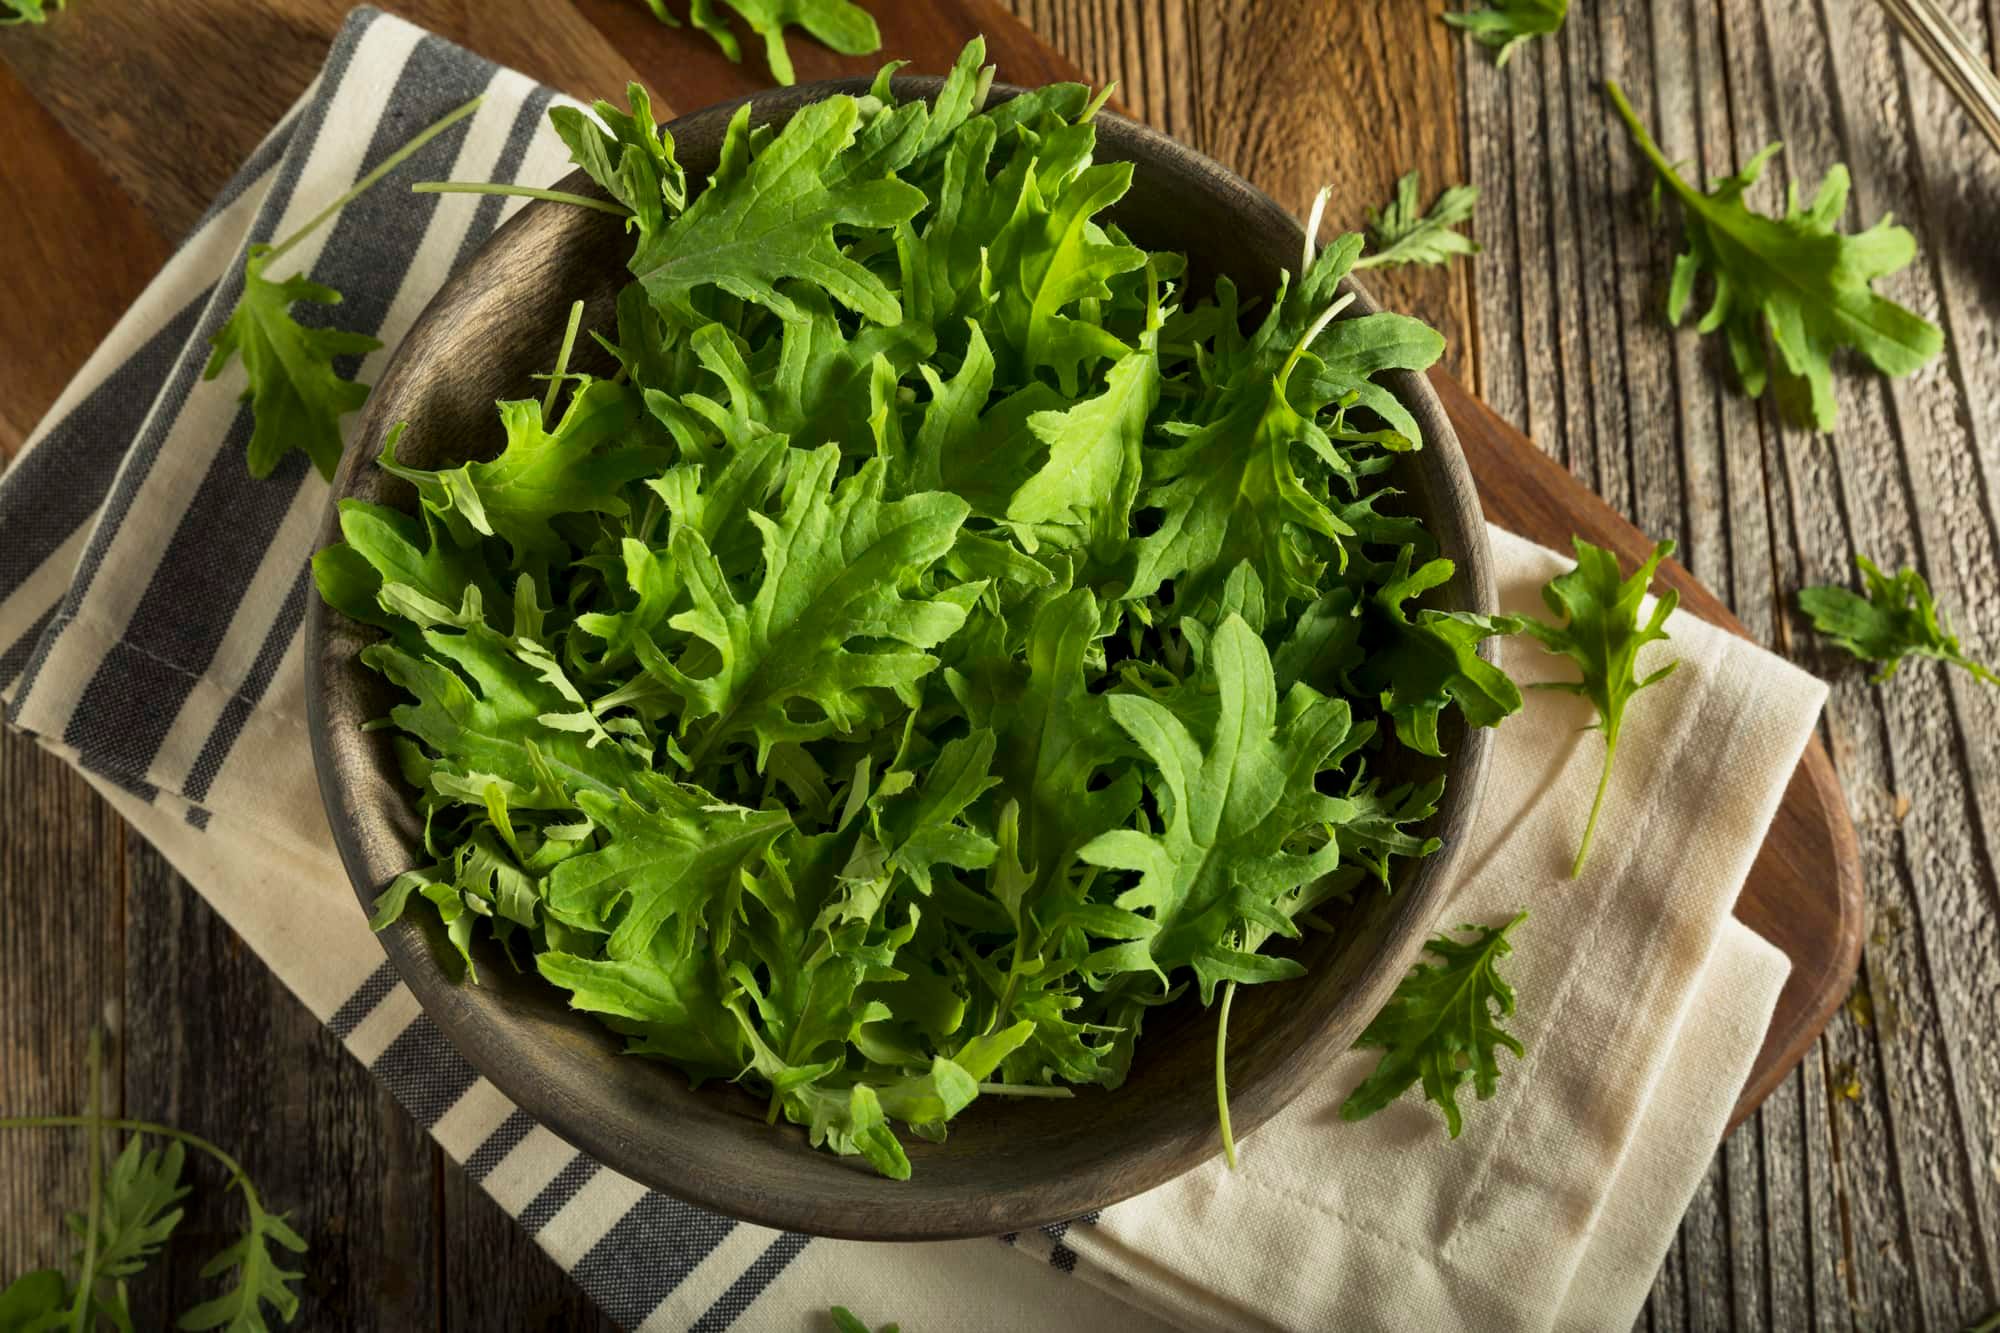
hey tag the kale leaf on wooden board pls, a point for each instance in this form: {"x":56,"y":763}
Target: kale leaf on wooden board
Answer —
{"x":1402,"y":232}
{"x":939,"y":643}
{"x":132,"y":1210}
{"x":1789,"y":291}
{"x":841,"y":24}
{"x":1504,"y":24}
{"x":1897,"y":619}
{"x":27,"y":11}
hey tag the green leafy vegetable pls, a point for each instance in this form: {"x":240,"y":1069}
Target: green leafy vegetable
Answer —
{"x":132,"y":1211}
{"x":840,"y":24}
{"x":845,"y":1321}
{"x":296,"y":394}
{"x":1601,"y":633}
{"x":1403,"y":233}
{"x":938,"y":643}
{"x":1505,"y":24}
{"x":1794,"y":278}
{"x":1442,"y":1027}
{"x":27,"y":11}
{"x":1897,"y":619}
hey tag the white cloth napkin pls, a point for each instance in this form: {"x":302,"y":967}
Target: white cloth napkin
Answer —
{"x":150,"y":606}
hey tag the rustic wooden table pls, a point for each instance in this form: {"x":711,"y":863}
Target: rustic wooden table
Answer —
{"x":1866,"y":1192}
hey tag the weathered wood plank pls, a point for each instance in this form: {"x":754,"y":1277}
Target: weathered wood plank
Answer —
{"x":214,"y":1043}
{"x":52,"y":325}
{"x":119,"y":80}
{"x":1909,"y":491}
{"x":61,"y":962}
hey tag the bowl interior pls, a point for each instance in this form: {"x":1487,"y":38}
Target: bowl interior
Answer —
{"x":1006,"y":1165}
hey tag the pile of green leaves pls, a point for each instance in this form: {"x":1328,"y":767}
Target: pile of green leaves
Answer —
{"x":132,"y":1211}
{"x":938,"y":644}
{"x":841,"y":24}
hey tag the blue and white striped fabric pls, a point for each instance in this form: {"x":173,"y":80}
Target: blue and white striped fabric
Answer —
{"x":151,"y":601}
{"x":151,"y":598}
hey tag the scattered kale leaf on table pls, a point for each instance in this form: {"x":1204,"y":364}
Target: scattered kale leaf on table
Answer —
{"x":27,"y":11}
{"x":132,"y":1211}
{"x":937,"y":644}
{"x":1505,"y":24}
{"x":840,"y":24}
{"x":1600,"y":631}
{"x":1897,"y":619}
{"x":1789,"y":291}
{"x":1402,"y":232}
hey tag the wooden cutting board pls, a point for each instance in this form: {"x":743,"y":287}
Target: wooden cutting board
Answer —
{"x":132,"y":115}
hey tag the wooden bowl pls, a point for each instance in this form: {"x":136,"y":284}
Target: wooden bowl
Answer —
{"x":1007,"y":1165}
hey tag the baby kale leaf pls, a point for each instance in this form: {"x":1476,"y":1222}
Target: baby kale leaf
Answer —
{"x":576,"y":467}
{"x":668,"y":1001}
{"x":776,"y":220}
{"x":28,"y":11}
{"x":1055,"y":738}
{"x":658,"y":866}
{"x":484,"y":707}
{"x":1441,"y":1027}
{"x":296,"y":396}
{"x":1402,"y":233}
{"x":1602,"y":635}
{"x":1505,"y":24}
{"x":1235,"y":802}
{"x":837,"y":560}
{"x":1094,"y":465}
{"x":629,"y":156}
{"x":1052,"y":256}
{"x":840,"y":24}
{"x":138,"y":1213}
{"x":845,"y":1321}
{"x":1897,"y":619}
{"x":258,"y":1281}
{"x":1793,"y":278}
{"x":1231,"y":492}
{"x":1429,"y":661}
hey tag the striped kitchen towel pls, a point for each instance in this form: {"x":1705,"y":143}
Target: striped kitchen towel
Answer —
{"x":151,"y":599}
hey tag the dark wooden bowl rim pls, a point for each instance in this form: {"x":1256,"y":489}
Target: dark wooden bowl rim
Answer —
{"x":1006,"y":1166}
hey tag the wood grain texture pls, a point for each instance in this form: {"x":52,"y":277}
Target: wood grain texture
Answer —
{"x":119,"y":83}
{"x":1862,"y":1194}
{"x":52,"y":323}
{"x":1825,"y":1210}
{"x":62,"y":854}
{"x":320,"y":1137}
